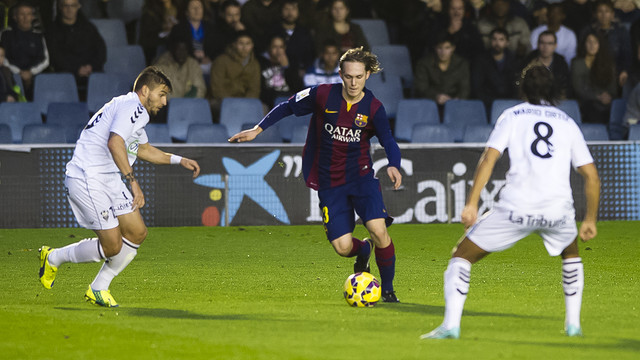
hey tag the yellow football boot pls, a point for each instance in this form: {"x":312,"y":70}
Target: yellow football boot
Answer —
{"x":47,"y":272}
{"x":100,"y":297}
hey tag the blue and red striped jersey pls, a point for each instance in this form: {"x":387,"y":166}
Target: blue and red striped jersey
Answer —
{"x":336,"y":151}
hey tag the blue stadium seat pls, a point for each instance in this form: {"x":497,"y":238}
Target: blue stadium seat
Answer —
{"x":424,"y":133}
{"x":299,"y":133}
{"x":572,"y":109}
{"x":395,"y":60}
{"x":70,"y":116}
{"x":43,"y":134}
{"x":183,"y":112}
{"x":617,"y":130}
{"x":271,"y":135}
{"x":286,"y":125}
{"x":500,"y":105}
{"x":388,"y":89}
{"x":128,"y":60}
{"x":414,"y":111}
{"x":207,"y":134}
{"x":54,"y":87}
{"x":237,"y":111}
{"x":17,"y":115}
{"x":113,"y":31}
{"x":375,"y":30}
{"x":594,"y":132}
{"x":457,"y":114}
{"x":634,"y":132}
{"x":158,"y":133}
{"x":5,"y":134}
{"x":103,"y":87}
{"x":477,"y":133}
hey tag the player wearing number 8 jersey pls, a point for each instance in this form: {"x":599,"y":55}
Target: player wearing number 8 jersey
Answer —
{"x":544,"y":143}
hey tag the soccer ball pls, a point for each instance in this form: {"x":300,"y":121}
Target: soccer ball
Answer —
{"x":362,"y":289}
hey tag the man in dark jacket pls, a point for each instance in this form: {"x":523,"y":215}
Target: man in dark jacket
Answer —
{"x":546,"y":55}
{"x":493,"y":73}
{"x":75,"y":44}
{"x":26,"y":50}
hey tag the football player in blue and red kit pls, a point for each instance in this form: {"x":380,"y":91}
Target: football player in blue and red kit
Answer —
{"x":337,"y":163}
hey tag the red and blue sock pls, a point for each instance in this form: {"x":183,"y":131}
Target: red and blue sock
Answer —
{"x":386,"y":260}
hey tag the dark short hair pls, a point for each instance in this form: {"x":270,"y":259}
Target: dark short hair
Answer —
{"x":444,"y":37}
{"x":227,"y":4}
{"x":550,"y":33}
{"x":536,"y":84}
{"x":241,"y":33}
{"x":152,"y":76}
{"x":499,"y":30}
{"x":360,"y":55}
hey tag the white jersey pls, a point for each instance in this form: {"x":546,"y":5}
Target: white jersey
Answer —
{"x":123,"y":115}
{"x":543,"y":143}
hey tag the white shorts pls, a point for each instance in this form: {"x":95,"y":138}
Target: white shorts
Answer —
{"x":499,"y":229}
{"x":98,"y":201}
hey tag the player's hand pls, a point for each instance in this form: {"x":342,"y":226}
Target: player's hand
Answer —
{"x":469,"y":215}
{"x":395,"y":176}
{"x":138,"y":196}
{"x":246,"y":135}
{"x":588,"y":230}
{"x":190,"y":165}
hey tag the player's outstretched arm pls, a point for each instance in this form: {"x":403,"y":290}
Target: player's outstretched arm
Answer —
{"x":246,"y":135}
{"x":483,"y":173}
{"x":588,"y":228}
{"x":154,"y":155}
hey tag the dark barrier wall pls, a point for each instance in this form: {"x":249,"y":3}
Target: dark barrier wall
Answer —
{"x":263,"y":185}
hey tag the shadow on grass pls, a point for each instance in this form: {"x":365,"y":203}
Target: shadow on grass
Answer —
{"x":167,"y":313}
{"x":616,"y":344}
{"x":439,"y":310}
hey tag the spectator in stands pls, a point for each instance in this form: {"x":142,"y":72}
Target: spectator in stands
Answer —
{"x":579,"y":14}
{"x":75,"y":45}
{"x":517,"y":27}
{"x":300,"y":49}
{"x":567,"y":42}
{"x":183,"y":70}
{"x":26,"y":50}
{"x":632,"y":114}
{"x":9,"y":91}
{"x":444,"y":75}
{"x":157,"y":19}
{"x":226,"y":27}
{"x":626,"y":11}
{"x":235,"y":73}
{"x":340,"y":29}
{"x":417,"y":21}
{"x":325,"y":69}
{"x":538,"y":15}
{"x":199,"y":31}
{"x":458,"y":23}
{"x":617,"y":37}
{"x":593,"y":77}
{"x":493,"y":74}
{"x":546,"y":54}
{"x":279,"y":78}
{"x":259,"y":16}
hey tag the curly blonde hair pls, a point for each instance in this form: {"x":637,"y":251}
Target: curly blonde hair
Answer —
{"x":369,"y":60}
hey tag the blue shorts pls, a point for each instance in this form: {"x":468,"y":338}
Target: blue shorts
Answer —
{"x":338,"y":204}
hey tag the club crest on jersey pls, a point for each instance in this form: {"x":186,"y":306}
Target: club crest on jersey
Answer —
{"x":361,"y":120}
{"x":105,"y":214}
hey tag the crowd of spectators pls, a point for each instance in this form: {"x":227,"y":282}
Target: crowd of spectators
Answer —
{"x":267,"y":49}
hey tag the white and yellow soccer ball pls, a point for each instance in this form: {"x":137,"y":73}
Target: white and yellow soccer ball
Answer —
{"x":362,"y":290}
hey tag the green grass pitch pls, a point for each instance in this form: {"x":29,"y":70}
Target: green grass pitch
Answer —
{"x":276,"y":293}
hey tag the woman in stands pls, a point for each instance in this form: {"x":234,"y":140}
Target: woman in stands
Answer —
{"x":339,"y":28}
{"x":593,"y":78}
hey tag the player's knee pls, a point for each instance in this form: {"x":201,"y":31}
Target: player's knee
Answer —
{"x":112,"y":249}
{"x":341,"y":249}
{"x":136,"y":236}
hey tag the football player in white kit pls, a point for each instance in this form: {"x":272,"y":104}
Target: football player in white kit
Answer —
{"x":108,"y":146}
{"x":543,"y":144}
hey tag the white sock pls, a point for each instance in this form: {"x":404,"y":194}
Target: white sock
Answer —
{"x":114,"y":265}
{"x":572,"y":284}
{"x":86,"y":250}
{"x":456,"y":287}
